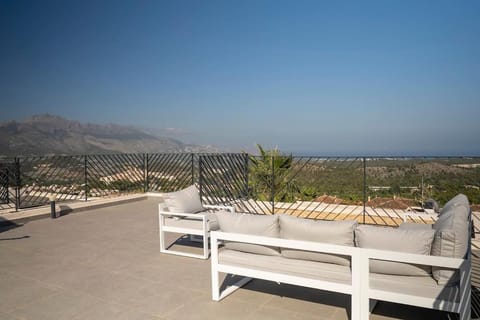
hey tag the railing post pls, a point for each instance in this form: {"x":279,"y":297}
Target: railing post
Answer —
{"x":273,"y":185}
{"x":193,"y":168}
{"x":200,"y":176}
{"x":246,"y":175}
{"x":364,"y":187}
{"x":85,"y":176}
{"x":17,"y":183}
{"x":146,"y":185}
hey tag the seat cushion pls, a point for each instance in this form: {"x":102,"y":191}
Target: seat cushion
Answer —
{"x":401,"y":240}
{"x":451,"y":237}
{"x":184,"y":201}
{"x":254,"y":224}
{"x":333,"y":232}
{"x":424,"y":287}
{"x":278,"y":264}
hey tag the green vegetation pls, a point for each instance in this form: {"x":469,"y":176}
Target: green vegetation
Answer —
{"x":420,"y":179}
{"x":417,"y":179}
{"x":307,"y":178}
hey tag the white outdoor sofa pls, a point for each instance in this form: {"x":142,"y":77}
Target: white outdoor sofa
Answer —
{"x":340,"y":256}
{"x":182,"y":212}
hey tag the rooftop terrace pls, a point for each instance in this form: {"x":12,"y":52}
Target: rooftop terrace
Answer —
{"x":105,"y":263}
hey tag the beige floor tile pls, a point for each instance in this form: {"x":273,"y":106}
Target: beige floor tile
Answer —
{"x":64,"y":305}
{"x":207,"y":310}
{"x":109,"y":311}
{"x":16,"y":291}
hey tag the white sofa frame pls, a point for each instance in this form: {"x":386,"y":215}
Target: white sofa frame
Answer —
{"x":363,"y":297}
{"x":203,"y":232}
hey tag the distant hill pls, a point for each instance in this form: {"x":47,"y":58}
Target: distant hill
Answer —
{"x":49,"y":134}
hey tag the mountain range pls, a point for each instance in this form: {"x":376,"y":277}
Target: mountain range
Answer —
{"x":51,"y":134}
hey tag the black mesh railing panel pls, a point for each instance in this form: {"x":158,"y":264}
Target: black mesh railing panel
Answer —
{"x":115,"y":174}
{"x":223,"y":179}
{"x":311,"y":187}
{"x":302,"y":186}
{"x":320,"y":188}
{"x":369,"y":190}
{"x":4,"y":183}
{"x":8,"y":184}
{"x":392,"y":188}
{"x":260,"y":185}
{"x":45,"y":177}
{"x":171,"y":171}
{"x":396,"y":185}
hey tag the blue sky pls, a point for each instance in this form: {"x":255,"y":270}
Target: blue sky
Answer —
{"x":323,"y":77}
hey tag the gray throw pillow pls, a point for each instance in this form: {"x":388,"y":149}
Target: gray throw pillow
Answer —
{"x":184,"y":201}
{"x":332,"y":232}
{"x":391,"y":239}
{"x":254,"y":224}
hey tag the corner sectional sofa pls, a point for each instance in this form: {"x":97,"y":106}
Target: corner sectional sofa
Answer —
{"x":427,"y":266}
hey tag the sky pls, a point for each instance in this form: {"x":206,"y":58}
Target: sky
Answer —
{"x":308,"y":77}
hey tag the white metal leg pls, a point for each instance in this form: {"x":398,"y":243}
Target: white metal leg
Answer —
{"x":364,"y":288}
{"x":161,"y":223}
{"x":214,"y":262}
{"x":356,"y":288}
{"x":205,"y":237}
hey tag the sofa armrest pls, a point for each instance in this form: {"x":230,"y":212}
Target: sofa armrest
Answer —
{"x":182,"y":215}
{"x":395,"y":256}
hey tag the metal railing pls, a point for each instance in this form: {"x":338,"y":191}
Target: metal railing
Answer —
{"x":27,"y":182}
{"x":170,"y":171}
{"x":367,"y":189}
{"x":373,"y":190}
{"x":223,"y":178}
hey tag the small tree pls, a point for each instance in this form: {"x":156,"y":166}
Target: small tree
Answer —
{"x":269,"y":176}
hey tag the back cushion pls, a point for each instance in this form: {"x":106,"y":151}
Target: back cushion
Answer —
{"x":254,"y":224}
{"x":184,"y":201}
{"x":386,"y":238}
{"x":451,"y":239}
{"x":414,"y":226}
{"x":459,"y":199}
{"x":333,"y":232}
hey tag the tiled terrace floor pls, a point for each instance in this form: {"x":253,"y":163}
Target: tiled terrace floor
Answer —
{"x":105,"y":264}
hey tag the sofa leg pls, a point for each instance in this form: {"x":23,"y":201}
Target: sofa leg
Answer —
{"x":205,"y":248}
{"x":465,"y":307}
{"x":215,"y":286}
